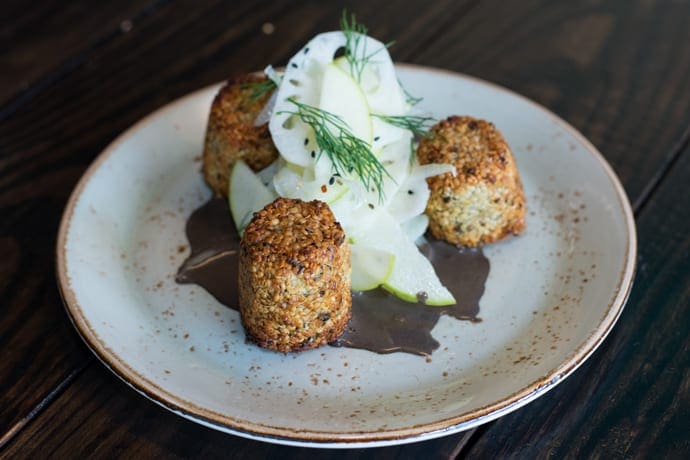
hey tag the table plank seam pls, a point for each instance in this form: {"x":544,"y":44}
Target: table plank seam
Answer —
{"x":12,"y":431}
{"x":662,"y":172}
{"x":465,"y":444}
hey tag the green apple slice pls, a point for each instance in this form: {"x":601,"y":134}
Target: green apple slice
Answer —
{"x":414,"y":228}
{"x":342,"y":96}
{"x":371,"y":267}
{"x":247,"y":194}
{"x":413,"y":277}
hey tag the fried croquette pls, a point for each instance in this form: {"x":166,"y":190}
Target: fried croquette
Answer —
{"x":294,"y":276}
{"x":231,"y":133}
{"x":485,"y":201}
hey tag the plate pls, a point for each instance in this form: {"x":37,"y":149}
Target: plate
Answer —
{"x":552,"y":295}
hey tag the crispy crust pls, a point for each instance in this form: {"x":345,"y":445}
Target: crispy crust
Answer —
{"x":485,"y":202}
{"x":231,"y":134}
{"x":294,"y":276}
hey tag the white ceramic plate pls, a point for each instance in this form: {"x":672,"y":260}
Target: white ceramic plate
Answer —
{"x":552,"y":294}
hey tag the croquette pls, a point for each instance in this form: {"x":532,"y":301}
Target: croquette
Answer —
{"x":231,"y":134}
{"x":485,"y":201}
{"x":294,"y":276}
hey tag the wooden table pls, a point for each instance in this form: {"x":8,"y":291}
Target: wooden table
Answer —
{"x":74,"y":75}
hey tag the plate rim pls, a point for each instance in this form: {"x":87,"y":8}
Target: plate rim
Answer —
{"x":349,"y":439}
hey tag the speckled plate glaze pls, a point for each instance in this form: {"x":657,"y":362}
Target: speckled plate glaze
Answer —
{"x":552,"y":295}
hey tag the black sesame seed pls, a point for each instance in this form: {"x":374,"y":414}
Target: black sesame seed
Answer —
{"x":313,"y":154}
{"x":306,"y":141}
{"x":410,"y":192}
{"x":306,"y":50}
{"x":371,"y":206}
{"x":294,"y":65}
{"x":377,"y":138}
{"x":331,"y":181}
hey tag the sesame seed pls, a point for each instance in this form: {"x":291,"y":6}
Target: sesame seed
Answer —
{"x":313,"y":154}
{"x":306,"y":141}
{"x":294,"y":65}
{"x":331,"y":180}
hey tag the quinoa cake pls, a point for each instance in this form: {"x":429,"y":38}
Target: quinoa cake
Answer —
{"x":294,"y":276}
{"x":231,"y":134}
{"x":485,"y":201}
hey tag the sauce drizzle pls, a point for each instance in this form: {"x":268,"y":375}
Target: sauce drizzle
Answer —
{"x":380,"y":322}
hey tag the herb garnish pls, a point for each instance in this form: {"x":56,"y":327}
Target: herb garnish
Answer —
{"x":356,"y":45}
{"x":410,"y":99}
{"x":259,"y":88}
{"x":347,"y":152}
{"x":418,"y":124}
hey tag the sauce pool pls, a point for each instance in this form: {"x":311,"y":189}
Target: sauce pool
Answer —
{"x":380,"y":322}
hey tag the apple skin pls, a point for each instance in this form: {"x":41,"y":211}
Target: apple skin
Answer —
{"x":246,"y":194}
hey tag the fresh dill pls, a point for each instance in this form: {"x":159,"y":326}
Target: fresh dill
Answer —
{"x":418,"y":124}
{"x":348,"y":153}
{"x":413,"y":152}
{"x":410,"y":99}
{"x":259,"y":88}
{"x":356,"y":45}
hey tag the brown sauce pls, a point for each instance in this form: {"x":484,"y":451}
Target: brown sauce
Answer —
{"x":380,"y":322}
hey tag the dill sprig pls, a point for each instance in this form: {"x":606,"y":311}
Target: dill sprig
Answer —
{"x":413,"y":152}
{"x":356,"y":45}
{"x":259,"y":88}
{"x":348,"y":153}
{"x":409,"y":98}
{"x":418,"y":124}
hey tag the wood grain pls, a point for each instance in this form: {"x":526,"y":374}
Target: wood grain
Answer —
{"x":43,"y":42}
{"x":44,"y":151}
{"x":98,"y":416}
{"x":632,"y":398}
{"x":47,"y":142}
{"x":618,"y":70}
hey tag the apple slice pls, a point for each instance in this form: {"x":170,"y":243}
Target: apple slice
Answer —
{"x":371,"y":267}
{"x":414,"y":228}
{"x":342,"y":96}
{"x":247,"y":194}
{"x":413,"y":277}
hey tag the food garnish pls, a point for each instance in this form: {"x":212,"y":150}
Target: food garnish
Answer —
{"x":345,"y":130}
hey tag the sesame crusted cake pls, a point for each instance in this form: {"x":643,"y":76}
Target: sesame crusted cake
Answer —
{"x":294,"y":276}
{"x":231,"y":134}
{"x":485,"y":201}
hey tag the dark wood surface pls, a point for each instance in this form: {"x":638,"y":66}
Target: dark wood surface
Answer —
{"x":74,"y":76}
